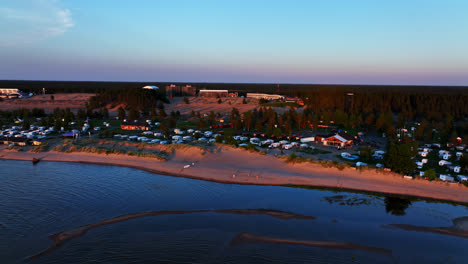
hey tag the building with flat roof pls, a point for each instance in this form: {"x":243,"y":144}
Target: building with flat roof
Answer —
{"x":176,"y":90}
{"x":213,"y":93}
{"x":265,"y":96}
{"x":13,"y":93}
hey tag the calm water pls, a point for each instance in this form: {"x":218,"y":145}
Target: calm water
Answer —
{"x":51,"y":197}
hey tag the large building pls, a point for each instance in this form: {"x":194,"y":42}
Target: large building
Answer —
{"x":213,"y":93}
{"x":265,"y":96}
{"x":13,"y":93}
{"x":175,"y":90}
{"x":151,"y":87}
{"x":339,"y":140}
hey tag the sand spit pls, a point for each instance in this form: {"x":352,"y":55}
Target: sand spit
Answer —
{"x":246,"y":238}
{"x":272,"y":213}
{"x":459,"y":228}
{"x":62,"y":237}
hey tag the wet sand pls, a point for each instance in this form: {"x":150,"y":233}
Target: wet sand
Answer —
{"x":231,"y":165}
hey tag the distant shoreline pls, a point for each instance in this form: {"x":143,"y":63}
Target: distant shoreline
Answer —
{"x":232,"y":166}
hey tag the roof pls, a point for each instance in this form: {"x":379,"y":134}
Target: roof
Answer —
{"x":325,"y":136}
{"x":346,"y":136}
{"x":305,"y":133}
{"x":151,"y":87}
{"x":214,"y":91}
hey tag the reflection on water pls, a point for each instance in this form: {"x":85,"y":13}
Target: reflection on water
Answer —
{"x":89,"y":212}
{"x":349,"y":200}
{"x":396,"y":205}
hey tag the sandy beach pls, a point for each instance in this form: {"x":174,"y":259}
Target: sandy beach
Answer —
{"x":231,"y":165}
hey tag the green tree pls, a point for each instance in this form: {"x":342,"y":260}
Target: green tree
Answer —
{"x":211,"y":118}
{"x":365,"y":153}
{"x":81,"y":115}
{"x":26,"y":124}
{"x":161,"y":105}
{"x":133,"y":114}
{"x":430,"y":174}
{"x":162,"y":113}
{"x":400,"y":157}
{"x":165,"y":130}
{"x":121,"y":113}
{"x":258,"y":126}
{"x":154,"y":114}
{"x":171,"y":123}
{"x":105,"y":112}
{"x":464,"y":162}
{"x":201,"y":123}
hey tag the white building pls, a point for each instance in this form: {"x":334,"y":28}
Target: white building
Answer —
{"x":423,"y":154}
{"x":444,"y":163}
{"x":446,"y":177}
{"x":151,"y":87}
{"x":307,"y":139}
{"x":265,"y":96}
{"x":462,"y":178}
{"x":13,"y":92}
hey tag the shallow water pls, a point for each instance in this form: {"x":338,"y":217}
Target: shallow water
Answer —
{"x":276,"y":224}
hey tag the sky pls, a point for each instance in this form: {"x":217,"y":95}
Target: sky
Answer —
{"x":398,"y":42}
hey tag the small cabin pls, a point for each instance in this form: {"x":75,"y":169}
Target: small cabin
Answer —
{"x":446,"y":178}
{"x":462,"y":178}
{"x":444,"y":163}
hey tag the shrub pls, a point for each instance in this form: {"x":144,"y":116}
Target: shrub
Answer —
{"x":430,"y":174}
{"x":292,"y":158}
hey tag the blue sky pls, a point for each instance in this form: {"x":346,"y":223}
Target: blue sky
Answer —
{"x":321,"y":41}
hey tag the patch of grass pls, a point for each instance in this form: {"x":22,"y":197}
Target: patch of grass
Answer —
{"x":280,"y":104}
{"x":15,"y":148}
{"x":313,"y":151}
{"x":41,"y":148}
{"x":188,"y":124}
{"x":69,"y":146}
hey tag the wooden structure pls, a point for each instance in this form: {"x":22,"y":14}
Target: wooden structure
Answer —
{"x":339,"y":140}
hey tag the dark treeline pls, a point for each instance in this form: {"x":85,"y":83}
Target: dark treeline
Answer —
{"x":136,"y":98}
{"x":414,"y":103}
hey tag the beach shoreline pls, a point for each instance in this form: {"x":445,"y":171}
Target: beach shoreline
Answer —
{"x":235,"y":166}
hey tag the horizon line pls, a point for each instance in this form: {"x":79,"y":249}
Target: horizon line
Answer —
{"x":259,"y":83}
